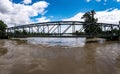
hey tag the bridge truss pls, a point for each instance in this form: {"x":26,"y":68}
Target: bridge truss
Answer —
{"x":64,"y":29}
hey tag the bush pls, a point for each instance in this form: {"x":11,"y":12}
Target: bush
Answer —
{"x":3,"y":27}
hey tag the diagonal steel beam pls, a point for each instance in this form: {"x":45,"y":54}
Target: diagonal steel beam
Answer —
{"x":51,"y":28}
{"x":55,"y":29}
{"x":66,"y":29}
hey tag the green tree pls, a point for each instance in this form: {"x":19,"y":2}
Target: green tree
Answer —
{"x":90,"y":25}
{"x":24,"y":32}
{"x":3,"y":27}
{"x":17,"y":32}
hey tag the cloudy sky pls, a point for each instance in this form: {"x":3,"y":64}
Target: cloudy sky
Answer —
{"x":21,"y":12}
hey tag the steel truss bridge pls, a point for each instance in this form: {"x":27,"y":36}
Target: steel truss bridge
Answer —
{"x":64,"y":29}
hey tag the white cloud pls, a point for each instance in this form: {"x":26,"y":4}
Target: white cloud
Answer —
{"x":98,"y":0}
{"x":77,"y":17}
{"x":43,"y":19}
{"x":88,"y":0}
{"x":107,"y":16}
{"x":27,"y":1}
{"x":40,"y":6}
{"x":105,"y":0}
{"x":118,"y":0}
{"x":5,"y":6}
{"x":12,"y":13}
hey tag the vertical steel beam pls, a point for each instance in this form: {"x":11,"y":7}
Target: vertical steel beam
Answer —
{"x":48,"y":29}
{"x":73,"y":28}
{"x":43,"y":29}
{"x":111,"y":29}
{"x":32,"y":29}
{"x":29,"y":30}
{"x":60,"y":29}
{"x":119,"y":30}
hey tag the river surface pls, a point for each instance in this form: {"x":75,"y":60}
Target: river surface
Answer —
{"x":58,"y":56}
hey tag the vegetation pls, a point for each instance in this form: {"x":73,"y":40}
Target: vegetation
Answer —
{"x":91,"y":26}
{"x":3,"y":27}
{"x":19,"y":32}
{"x":25,"y":33}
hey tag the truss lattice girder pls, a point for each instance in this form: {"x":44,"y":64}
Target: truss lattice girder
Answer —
{"x":52,"y":27}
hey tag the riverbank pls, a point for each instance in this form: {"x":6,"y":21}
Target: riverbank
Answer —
{"x":22,"y":57}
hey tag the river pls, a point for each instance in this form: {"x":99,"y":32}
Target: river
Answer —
{"x":59,"y":56}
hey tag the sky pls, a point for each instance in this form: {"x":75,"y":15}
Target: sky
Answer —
{"x":20,"y":12}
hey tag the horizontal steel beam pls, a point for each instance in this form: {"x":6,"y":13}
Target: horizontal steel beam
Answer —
{"x":59,"y":23}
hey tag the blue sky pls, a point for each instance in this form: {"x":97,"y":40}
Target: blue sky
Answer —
{"x":67,"y":8}
{"x":56,"y":10}
{"x":60,"y":9}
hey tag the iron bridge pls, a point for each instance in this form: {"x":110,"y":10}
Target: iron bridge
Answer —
{"x":64,"y":29}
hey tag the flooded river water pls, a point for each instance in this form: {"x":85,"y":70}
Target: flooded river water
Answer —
{"x":58,"y":56}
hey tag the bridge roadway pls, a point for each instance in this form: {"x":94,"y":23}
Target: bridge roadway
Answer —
{"x":64,"y":29}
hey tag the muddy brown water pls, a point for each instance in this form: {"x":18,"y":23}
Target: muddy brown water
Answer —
{"x":20,"y":57}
